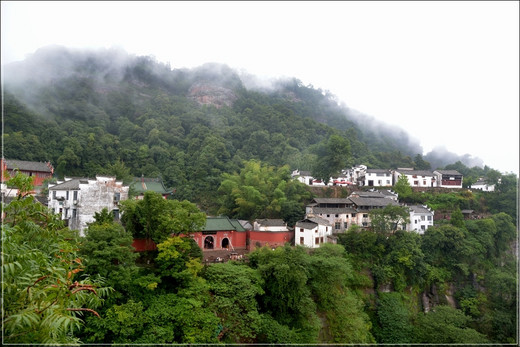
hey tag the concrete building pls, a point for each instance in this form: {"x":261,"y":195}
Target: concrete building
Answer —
{"x":312,"y":232}
{"x":76,"y":200}
{"x":421,"y":218}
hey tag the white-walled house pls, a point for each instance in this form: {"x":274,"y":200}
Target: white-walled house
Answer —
{"x":78,"y":199}
{"x":483,"y":185}
{"x":448,"y":178}
{"x":376,"y":178}
{"x":312,"y":232}
{"x":417,"y":178}
{"x":304,"y":177}
{"x":421,"y":218}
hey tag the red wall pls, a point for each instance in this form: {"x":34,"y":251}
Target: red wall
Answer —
{"x":273,"y":239}
{"x":237,"y":239}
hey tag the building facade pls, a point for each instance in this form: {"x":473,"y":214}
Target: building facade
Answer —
{"x":421,"y":218}
{"x":312,"y":232}
{"x":77,"y":200}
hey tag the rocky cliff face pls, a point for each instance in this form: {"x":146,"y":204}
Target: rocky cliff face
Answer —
{"x":211,"y":94}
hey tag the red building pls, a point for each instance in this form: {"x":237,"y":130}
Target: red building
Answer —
{"x":224,"y":234}
{"x":221,"y":233}
{"x":38,"y":170}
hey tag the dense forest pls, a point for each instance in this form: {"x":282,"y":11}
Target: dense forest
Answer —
{"x":227,"y":146}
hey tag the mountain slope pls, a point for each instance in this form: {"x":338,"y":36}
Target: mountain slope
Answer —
{"x":105,"y":111}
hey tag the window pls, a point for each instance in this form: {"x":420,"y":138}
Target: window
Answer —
{"x":301,"y":230}
{"x":353,"y":215}
{"x":316,"y":231}
{"x":328,"y":215}
{"x":429,"y":217}
{"x":336,"y":215}
{"x":115,"y":212}
{"x":73,"y":213}
{"x":321,"y":239}
{"x":67,"y":195}
{"x":317,"y":241}
{"x":66,"y":212}
{"x":302,"y":241}
{"x":345,"y":225}
{"x":365,"y":215}
{"x":337,"y":225}
{"x":423,"y":218}
{"x":415,"y":183}
{"x":117,"y":196}
{"x":54,"y":194}
{"x":75,"y":195}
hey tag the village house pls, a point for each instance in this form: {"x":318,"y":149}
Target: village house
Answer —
{"x":421,"y":218}
{"x":336,"y":211}
{"x":417,"y":178}
{"x":313,"y":232}
{"x":39,"y":171}
{"x":483,"y":185}
{"x":376,"y":178}
{"x":448,"y":178}
{"x":364,"y":205}
{"x":144,"y":184}
{"x":76,"y":200}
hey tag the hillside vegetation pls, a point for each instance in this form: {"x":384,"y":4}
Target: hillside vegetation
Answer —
{"x":228,"y":147}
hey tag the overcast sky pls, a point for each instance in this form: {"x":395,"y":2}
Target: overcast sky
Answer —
{"x":446,"y":72}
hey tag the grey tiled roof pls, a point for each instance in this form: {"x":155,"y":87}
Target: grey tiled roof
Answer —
{"x":373,"y":202}
{"x":27,"y":165}
{"x":448,"y":172}
{"x":419,"y":209}
{"x":332,"y":200}
{"x":415,"y":172}
{"x":68,"y":185}
{"x":271,"y":222}
{"x":331,"y":210}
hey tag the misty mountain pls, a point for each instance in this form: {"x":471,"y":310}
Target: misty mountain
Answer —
{"x":88,"y":111}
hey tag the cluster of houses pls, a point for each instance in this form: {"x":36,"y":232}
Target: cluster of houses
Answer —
{"x":362,"y":176}
{"x":76,"y":200}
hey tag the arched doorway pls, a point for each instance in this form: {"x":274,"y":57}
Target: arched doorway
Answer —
{"x":225,"y":242}
{"x":209,"y":242}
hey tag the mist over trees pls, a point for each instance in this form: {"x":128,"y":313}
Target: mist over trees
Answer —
{"x":106,"y":112}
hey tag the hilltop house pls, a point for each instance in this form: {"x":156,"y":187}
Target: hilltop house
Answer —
{"x":338,"y":212}
{"x":417,"y":178}
{"x":313,"y":232}
{"x":376,"y":178}
{"x":421,"y":218}
{"x":77,"y":200}
{"x":448,"y":178}
{"x":483,"y":185}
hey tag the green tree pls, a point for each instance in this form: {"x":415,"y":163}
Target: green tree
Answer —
{"x":389,"y":219}
{"x":403,"y":188}
{"x":43,"y":296}
{"x":234,"y":290}
{"x":287,"y":297}
{"x":447,"y":325}
{"x":394,"y":319}
{"x":157,"y":218}
{"x":107,"y":249}
{"x":261,"y":191}
{"x":333,"y":155}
